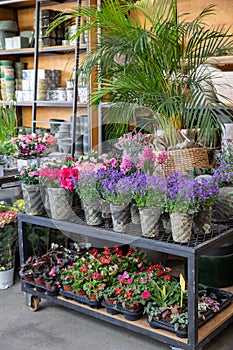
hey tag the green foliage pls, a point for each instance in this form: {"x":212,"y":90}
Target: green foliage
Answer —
{"x":8,"y":121}
{"x":7,"y":148}
{"x":153,"y":63}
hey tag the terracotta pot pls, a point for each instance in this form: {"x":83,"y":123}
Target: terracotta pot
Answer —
{"x":67,"y":288}
{"x":39,"y":282}
{"x":80,"y":292}
{"x":92,"y":297}
{"x":28,"y":278}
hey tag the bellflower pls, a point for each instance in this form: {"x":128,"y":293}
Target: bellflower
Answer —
{"x":107,"y":180}
{"x":148,"y":190}
{"x":224,"y":174}
{"x":206,"y":192}
{"x":180,"y":194}
{"x":86,"y":186}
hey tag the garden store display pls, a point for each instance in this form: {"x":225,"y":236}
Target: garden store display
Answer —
{"x":103,"y":190}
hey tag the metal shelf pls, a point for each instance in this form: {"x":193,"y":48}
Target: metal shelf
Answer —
{"x":198,"y":245}
{"x":43,"y":50}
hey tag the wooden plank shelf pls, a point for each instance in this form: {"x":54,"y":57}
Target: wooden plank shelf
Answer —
{"x":140,"y":326}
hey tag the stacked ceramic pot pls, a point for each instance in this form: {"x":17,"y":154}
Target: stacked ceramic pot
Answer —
{"x":63,"y":138}
{"x":7,"y":76}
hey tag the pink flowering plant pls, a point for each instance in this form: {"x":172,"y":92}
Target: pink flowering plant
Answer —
{"x":33,"y":145}
{"x":133,"y":143}
{"x":63,"y":175}
{"x":91,"y":161}
{"x":29,"y":175}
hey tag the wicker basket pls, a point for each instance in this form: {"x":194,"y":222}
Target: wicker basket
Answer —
{"x":186,"y":159}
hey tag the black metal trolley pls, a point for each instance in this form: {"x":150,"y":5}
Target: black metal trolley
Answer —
{"x":198,"y":337}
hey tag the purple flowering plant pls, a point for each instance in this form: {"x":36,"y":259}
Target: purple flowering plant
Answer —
{"x":206,"y":191}
{"x":29,"y":175}
{"x":148,"y":190}
{"x":224,"y":174}
{"x":114,"y":186}
{"x":180,"y":194}
{"x":87,"y":184}
{"x":226,"y":154}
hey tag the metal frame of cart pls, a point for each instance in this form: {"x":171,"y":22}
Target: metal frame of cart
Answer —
{"x":197,"y":337}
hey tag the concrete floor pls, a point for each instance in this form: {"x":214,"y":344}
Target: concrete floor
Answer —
{"x":54,"y":327}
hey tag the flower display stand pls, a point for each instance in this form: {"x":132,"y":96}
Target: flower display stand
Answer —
{"x":197,"y":336}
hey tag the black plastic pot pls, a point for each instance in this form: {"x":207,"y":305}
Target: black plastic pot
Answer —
{"x":213,"y":267}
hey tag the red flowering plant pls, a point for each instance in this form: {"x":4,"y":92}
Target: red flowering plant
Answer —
{"x":59,"y":175}
{"x":166,"y":297}
{"x":33,"y":145}
{"x":97,"y":271}
{"x":132,"y":289}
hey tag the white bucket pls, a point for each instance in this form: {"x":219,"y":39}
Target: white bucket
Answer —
{"x":6,"y":278}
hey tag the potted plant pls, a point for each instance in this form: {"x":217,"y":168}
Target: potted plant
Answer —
{"x":114,"y":184}
{"x":8,"y":246}
{"x":8,"y":121}
{"x":223,"y":173}
{"x":87,"y":189}
{"x":206,"y":192}
{"x":29,"y":176}
{"x":30,"y":147}
{"x":58,"y":180}
{"x":149,"y":194}
{"x":7,"y":151}
{"x":181,"y":205}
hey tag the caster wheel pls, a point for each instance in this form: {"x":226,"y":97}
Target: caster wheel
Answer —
{"x":35,"y":305}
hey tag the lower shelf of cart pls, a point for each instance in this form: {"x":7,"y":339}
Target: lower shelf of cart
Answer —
{"x":140,"y":325}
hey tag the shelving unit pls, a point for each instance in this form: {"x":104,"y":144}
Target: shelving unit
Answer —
{"x":197,"y":337}
{"x":36,"y":113}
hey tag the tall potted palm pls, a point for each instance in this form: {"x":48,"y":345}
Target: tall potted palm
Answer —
{"x":150,"y":57}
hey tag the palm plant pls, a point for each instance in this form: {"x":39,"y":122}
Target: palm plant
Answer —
{"x":149,"y":57}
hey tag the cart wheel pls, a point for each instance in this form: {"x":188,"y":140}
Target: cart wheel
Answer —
{"x":34,"y":305}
